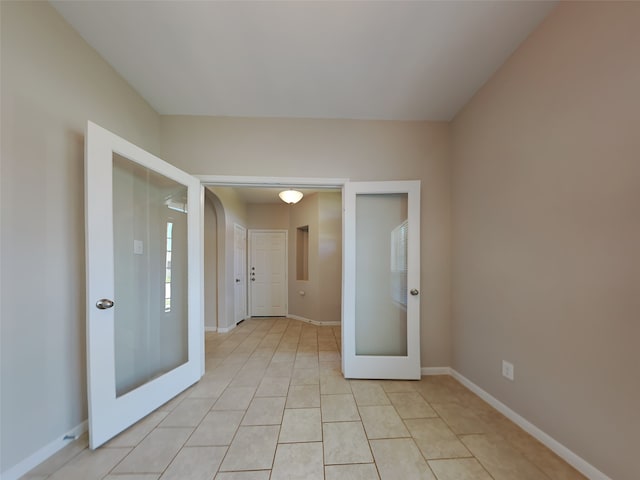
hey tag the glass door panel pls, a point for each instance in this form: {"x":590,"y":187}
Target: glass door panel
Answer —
{"x":150,"y":268}
{"x":381,"y":274}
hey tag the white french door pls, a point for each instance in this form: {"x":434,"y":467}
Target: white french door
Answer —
{"x":240,"y":271}
{"x":268,"y":288}
{"x":381,"y":302}
{"x":144,"y":280}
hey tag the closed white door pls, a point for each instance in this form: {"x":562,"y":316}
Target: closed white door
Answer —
{"x":268,"y":290}
{"x":381,"y":302}
{"x":144,"y":277}
{"x":240,"y":271}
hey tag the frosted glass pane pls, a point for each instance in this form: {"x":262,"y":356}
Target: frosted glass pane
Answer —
{"x":150,"y":252}
{"x":381,"y":274}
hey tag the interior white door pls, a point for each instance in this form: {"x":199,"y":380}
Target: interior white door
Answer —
{"x":240,"y":271}
{"x":268,"y":290}
{"x":144,"y":278}
{"x":381,"y":302}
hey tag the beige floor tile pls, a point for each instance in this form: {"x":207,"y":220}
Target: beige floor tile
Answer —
{"x":216,"y":429}
{"x":368,"y":393}
{"x":303,"y":396}
{"x":133,"y":435}
{"x":234,"y":398}
{"x":273,"y":387}
{"x":174,"y":402}
{"x":460,"y":419}
{"x":209,"y":387}
{"x":382,"y":422}
{"x":345,"y":442}
{"x":333,"y":384}
{"x":305,"y":376}
{"x":256,"y":475}
{"x":363,"y":471}
{"x":331,"y":368}
{"x":155,"y":452}
{"x":399,"y":386}
{"x":189,"y":413}
{"x":264,"y":411}
{"x":301,"y":425}
{"x":459,"y":469}
{"x":298,"y":461}
{"x":91,"y":464}
{"x":435,"y":439}
{"x":284,"y":356}
{"x":252,"y":449}
{"x":339,"y":408}
{"x":279,"y":369}
{"x":329,"y":356}
{"x":400,"y":458}
{"x":195,"y":463}
{"x":411,"y":405}
{"x":135,"y":476}
{"x":501,"y":460}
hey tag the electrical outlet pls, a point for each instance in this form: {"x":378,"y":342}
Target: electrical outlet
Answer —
{"x":507,"y":370}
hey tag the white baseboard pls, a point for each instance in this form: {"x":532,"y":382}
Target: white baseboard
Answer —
{"x":435,"y":370}
{"x":210,"y":329}
{"x":226,"y":329}
{"x":45,"y":452}
{"x":563,"y":452}
{"x":314,"y":322}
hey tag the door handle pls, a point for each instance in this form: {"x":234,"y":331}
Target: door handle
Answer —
{"x":104,"y":303}
{"x":237,"y":280}
{"x":253,"y":279}
{"x":414,"y":292}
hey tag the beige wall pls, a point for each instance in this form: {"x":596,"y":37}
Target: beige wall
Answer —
{"x":52,"y":83}
{"x":233,"y":211}
{"x":546,"y":209}
{"x":360,"y":150}
{"x":268,"y":216}
{"x":303,"y":214}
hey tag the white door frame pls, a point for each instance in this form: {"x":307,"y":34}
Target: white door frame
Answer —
{"x":240,"y":277}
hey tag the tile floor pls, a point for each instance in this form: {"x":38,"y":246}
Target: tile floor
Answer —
{"x":274,"y":405}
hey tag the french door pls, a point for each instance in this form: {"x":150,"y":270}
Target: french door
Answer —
{"x":144,"y":280}
{"x":381,"y":302}
{"x":268,"y":288}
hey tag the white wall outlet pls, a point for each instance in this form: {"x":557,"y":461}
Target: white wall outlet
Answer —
{"x":138,"y":247}
{"x":507,"y":370}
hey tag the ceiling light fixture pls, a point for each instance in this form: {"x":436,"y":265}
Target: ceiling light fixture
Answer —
{"x":290,"y":196}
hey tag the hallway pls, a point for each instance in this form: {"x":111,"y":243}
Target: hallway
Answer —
{"x":274,"y":405}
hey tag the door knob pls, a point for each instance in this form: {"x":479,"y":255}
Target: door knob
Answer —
{"x":414,"y":292}
{"x":104,"y":303}
{"x":237,"y":280}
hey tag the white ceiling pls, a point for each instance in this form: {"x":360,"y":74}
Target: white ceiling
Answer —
{"x":395,"y":60}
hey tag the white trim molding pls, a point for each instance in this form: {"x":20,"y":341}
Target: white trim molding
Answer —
{"x":249,"y":181}
{"x":435,"y":371}
{"x":226,"y":329}
{"x":210,"y":329}
{"x":318,"y":323}
{"x":563,"y":452}
{"x":44,"y":453}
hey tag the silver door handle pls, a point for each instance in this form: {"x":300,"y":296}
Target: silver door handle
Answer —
{"x":104,"y":303}
{"x":414,"y":292}
{"x":253,"y":279}
{"x":237,"y":280}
